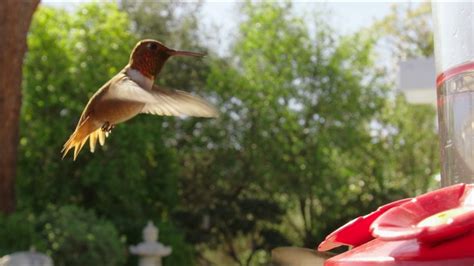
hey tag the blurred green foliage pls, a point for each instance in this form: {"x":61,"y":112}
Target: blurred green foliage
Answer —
{"x":309,"y":137}
{"x":407,"y":31}
{"x":73,"y":236}
{"x":70,"y":235}
{"x":18,"y":232}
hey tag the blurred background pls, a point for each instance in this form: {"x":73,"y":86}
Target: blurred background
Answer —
{"x":313,"y":130}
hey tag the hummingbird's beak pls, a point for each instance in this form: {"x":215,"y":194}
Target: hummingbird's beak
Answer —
{"x":185,"y":53}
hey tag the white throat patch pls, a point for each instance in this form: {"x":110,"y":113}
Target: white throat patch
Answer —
{"x":140,"y":79}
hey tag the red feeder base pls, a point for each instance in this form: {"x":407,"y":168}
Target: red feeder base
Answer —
{"x":455,"y":252}
{"x":436,"y":228}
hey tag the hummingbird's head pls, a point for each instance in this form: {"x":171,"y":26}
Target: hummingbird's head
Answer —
{"x":149,"y":56}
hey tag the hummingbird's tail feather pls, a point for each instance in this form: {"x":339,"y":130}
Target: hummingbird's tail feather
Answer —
{"x":80,"y":136}
{"x":93,"y":140}
{"x":100,"y":135}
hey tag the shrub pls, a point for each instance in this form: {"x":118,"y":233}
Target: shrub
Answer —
{"x":17,"y":232}
{"x":74,"y":236}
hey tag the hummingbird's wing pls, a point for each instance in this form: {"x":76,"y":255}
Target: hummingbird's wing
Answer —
{"x":176,"y":102}
{"x":162,"y":101}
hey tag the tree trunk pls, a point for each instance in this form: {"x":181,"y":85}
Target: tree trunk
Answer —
{"x":15,"y":19}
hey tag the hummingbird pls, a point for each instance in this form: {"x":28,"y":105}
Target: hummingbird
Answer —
{"x":131,"y":92}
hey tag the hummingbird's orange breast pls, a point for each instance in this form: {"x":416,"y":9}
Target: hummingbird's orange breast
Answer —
{"x":116,"y":111}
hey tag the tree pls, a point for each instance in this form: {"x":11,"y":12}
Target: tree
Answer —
{"x":294,"y":107}
{"x":407,"y":31}
{"x":15,"y":18}
{"x":133,"y":178}
{"x":304,"y":124}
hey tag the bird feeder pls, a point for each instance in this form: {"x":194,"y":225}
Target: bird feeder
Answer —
{"x":150,"y":251}
{"x":436,"y":228}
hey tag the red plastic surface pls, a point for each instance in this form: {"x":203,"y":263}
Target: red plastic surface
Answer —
{"x":436,"y":228}
{"x":356,"y":232}
{"x":453,"y":72}
{"x":457,"y":252}
{"x":403,"y":222}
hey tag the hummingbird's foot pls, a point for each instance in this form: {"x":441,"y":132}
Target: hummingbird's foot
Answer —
{"x":107,"y":127}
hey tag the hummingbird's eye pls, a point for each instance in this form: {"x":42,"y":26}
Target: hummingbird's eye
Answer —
{"x":152,"y":46}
